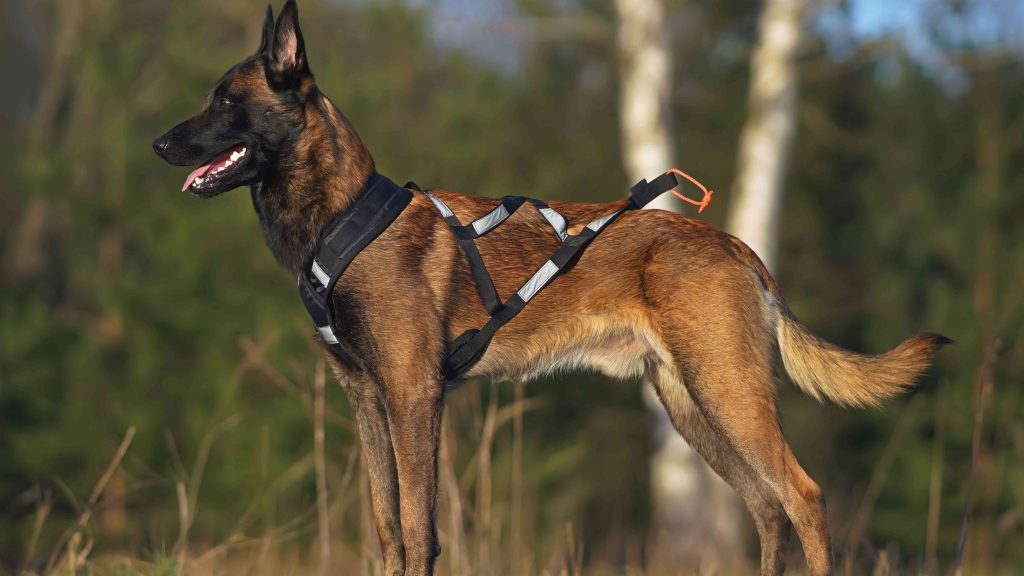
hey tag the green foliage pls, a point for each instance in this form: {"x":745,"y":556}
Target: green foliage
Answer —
{"x":125,"y":303}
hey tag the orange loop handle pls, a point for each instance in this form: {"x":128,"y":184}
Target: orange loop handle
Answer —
{"x":703,"y":203}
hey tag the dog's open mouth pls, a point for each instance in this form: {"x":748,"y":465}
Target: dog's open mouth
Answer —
{"x":222,"y":165}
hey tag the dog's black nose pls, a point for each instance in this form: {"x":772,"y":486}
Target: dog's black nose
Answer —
{"x":160,"y":144}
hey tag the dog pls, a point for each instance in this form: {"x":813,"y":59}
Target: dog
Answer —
{"x":713,"y":361}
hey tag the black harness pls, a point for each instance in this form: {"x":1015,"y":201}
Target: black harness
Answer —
{"x":352,"y":230}
{"x":340,"y":242}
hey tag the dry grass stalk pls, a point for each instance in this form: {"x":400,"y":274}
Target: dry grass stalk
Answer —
{"x":883,"y":567}
{"x":516,"y":530}
{"x":76,"y":552}
{"x":456,"y":529}
{"x":319,"y":465}
{"x":238,"y":541}
{"x":184,"y":523}
{"x":574,"y":557}
{"x":935,"y":484}
{"x":982,"y":390}
{"x":866,"y":508}
{"x":256,"y":360}
{"x":188,"y":491}
{"x":485,"y":487}
{"x":44,"y":504}
{"x":172,"y":448}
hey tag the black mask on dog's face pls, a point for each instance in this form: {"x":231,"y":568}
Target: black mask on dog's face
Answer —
{"x":248,"y":115}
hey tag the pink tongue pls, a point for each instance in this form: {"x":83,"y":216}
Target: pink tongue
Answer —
{"x":196,"y":174}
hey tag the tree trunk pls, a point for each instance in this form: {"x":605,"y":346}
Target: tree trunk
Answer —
{"x":696,"y":515}
{"x":768,"y":133}
{"x":645,"y":80}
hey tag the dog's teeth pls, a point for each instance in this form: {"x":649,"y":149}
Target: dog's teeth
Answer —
{"x":235,"y":156}
{"x":198,"y":182}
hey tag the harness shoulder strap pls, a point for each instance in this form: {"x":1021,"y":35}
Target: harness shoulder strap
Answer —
{"x":467,"y":349}
{"x":348,"y":233}
{"x":466,"y":235}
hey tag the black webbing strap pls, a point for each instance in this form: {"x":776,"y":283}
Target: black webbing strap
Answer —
{"x":348,"y":233}
{"x":467,"y":349}
{"x":483,"y":225}
{"x":484,"y":285}
{"x":466,"y":234}
{"x":556,"y":220}
{"x":353,"y":229}
{"x":314,"y":298}
{"x":643,"y":191}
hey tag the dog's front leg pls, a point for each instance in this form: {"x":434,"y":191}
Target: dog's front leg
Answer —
{"x":367,"y":402}
{"x":415,"y":406}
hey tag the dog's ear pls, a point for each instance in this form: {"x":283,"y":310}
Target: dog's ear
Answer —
{"x":268,"y":31}
{"x":287,"y":55}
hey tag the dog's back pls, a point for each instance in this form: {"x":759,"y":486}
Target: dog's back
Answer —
{"x":658,"y":295}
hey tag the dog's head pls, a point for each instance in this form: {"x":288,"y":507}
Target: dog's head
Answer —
{"x":249,"y":117}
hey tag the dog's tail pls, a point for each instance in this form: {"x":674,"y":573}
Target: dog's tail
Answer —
{"x":824,"y":370}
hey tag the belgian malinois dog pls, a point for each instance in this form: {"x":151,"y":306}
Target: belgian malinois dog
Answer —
{"x":713,"y":362}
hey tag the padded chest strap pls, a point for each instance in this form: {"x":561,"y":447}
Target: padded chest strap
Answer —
{"x":348,"y":233}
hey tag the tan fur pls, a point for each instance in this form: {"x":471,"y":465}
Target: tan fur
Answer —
{"x":657,"y":294}
{"x":689,"y":307}
{"x":824,"y":370}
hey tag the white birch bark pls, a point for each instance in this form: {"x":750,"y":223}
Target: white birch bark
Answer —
{"x":768,"y":133}
{"x":697,"y":515}
{"x":646,"y":76}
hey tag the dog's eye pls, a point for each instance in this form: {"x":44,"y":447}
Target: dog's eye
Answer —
{"x":224,"y":102}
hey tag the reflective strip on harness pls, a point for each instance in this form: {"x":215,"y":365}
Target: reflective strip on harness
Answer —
{"x":466,"y":350}
{"x":328,"y":334}
{"x":441,"y":206}
{"x":493,"y":218}
{"x":556,"y":220}
{"x":383,"y":201}
{"x":322,"y":276}
{"x":539,"y":279}
{"x":600,"y":223}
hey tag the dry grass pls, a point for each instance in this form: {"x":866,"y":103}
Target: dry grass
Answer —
{"x":486,"y":514}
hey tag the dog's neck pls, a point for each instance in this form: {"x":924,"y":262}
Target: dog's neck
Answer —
{"x":325,"y":169}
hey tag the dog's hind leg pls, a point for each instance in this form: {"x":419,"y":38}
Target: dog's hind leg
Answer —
{"x":750,"y":425}
{"x":367,"y":402}
{"x":723,"y":345}
{"x":770,"y":518}
{"x":731,"y":380}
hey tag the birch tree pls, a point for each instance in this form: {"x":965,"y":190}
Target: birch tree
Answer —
{"x":644,"y":87}
{"x":768,"y":133}
{"x":696,"y":513}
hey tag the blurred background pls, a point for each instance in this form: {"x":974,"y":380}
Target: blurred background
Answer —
{"x":160,"y":393}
